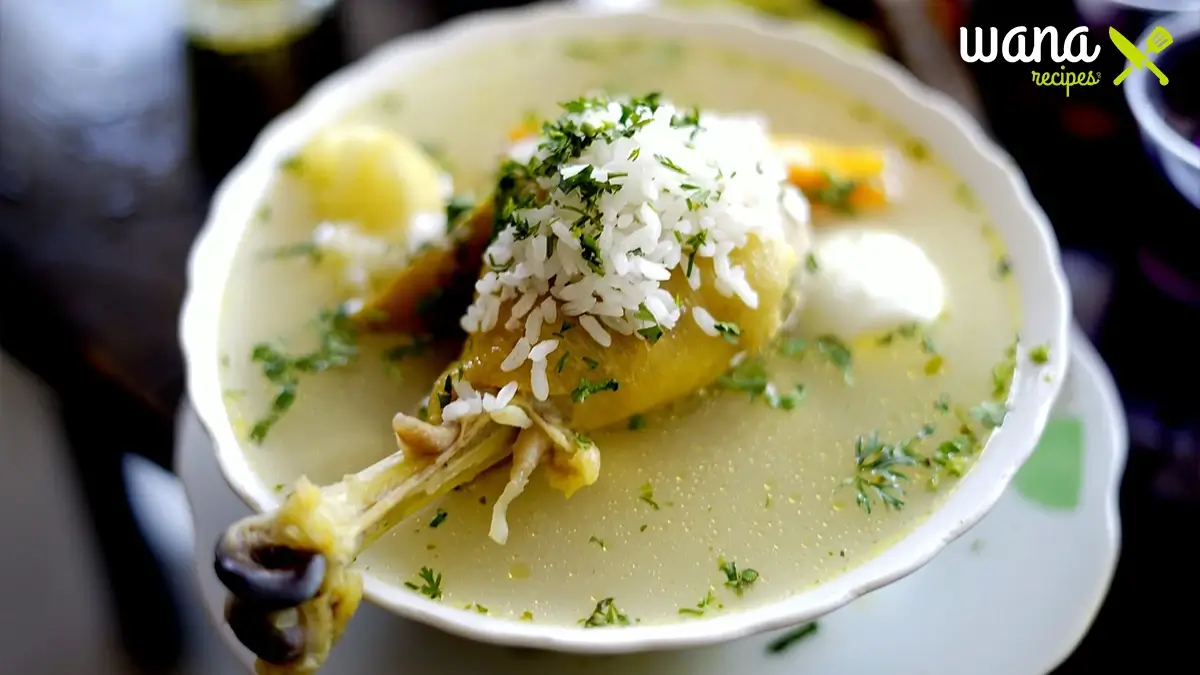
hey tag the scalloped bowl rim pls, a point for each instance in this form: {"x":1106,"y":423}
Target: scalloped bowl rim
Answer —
{"x":948,"y":130}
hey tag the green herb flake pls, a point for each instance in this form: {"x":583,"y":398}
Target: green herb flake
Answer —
{"x":438,"y":519}
{"x":838,"y":354}
{"x":965,"y":197}
{"x":1040,"y":355}
{"x":1003,"y":267}
{"x":810,"y":263}
{"x":990,"y":414}
{"x":562,"y":362}
{"x":836,"y":193}
{"x":916,"y":150}
{"x":456,"y":208}
{"x":430,"y":586}
{"x":303,"y":249}
{"x":731,"y":331}
{"x":793,"y":637}
{"x":794,"y":347}
{"x":526,"y":616}
{"x":709,"y":600}
{"x":292,"y":164}
{"x":592,"y":364}
{"x":605,"y":614}
{"x":586,"y":388}
{"x":646,"y":494}
{"x":735,"y":580}
{"x":1002,"y":373}
{"x":882,"y":470}
{"x":667,"y":162}
{"x":599,"y":542}
{"x":337,"y":349}
{"x":942,"y":404}
{"x":637,"y":422}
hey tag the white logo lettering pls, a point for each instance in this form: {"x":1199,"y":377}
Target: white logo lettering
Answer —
{"x":978,"y":55}
{"x":1083,"y":55}
{"x":1012,"y":49}
{"x":1020,"y":55}
{"x":1038,"y":34}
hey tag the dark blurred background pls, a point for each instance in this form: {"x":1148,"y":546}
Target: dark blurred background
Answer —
{"x":108,"y":159}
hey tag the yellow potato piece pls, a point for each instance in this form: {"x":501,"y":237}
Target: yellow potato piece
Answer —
{"x":371,"y":176}
{"x":682,"y":361}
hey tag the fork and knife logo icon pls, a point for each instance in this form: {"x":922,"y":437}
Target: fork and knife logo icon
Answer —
{"x":1158,"y":40}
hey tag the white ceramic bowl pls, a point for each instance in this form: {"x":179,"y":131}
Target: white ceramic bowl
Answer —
{"x":948,"y":131}
{"x":1177,"y":157}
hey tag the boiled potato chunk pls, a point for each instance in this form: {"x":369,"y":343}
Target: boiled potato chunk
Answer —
{"x":682,"y":361}
{"x":370,"y":176}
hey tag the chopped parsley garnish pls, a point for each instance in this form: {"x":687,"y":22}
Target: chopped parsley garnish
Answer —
{"x":829,"y":347}
{"x":456,"y":208}
{"x":599,"y":542}
{"x":526,"y":616}
{"x":837,"y":353}
{"x":836,"y":193}
{"x":303,"y":249}
{"x":881,"y":471}
{"x":911,"y":331}
{"x":750,"y":376}
{"x":637,"y":422}
{"x":1003,"y":267}
{"x":990,"y":414}
{"x":692,"y":245}
{"x":646,"y":494}
{"x":793,"y":637}
{"x":292,"y":164}
{"x":562,"y":362}
{"x":1002,"y":373}
{"x":916,"y":150}
{"x":737,"y":580}
{"x":605,"y":614}
{"x":810,"y":263}
{"x":731,"y":331}
{"x":337,"y":349}
{"x":586,"y":388}
{"x":653,"y":332}
{"x":438,"y":519}
{"x":592,"y":364}
{"x":708,"y":601}
{"x":431,"y":584}
{"x":942,"y":404}
{"x":478,"y":608}
{"x":1040,"y":354}
{"x":566,"y":326}
{"x":667,"y":162}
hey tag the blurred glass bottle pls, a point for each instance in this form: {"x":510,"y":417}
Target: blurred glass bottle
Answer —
{"x":248,"y":61}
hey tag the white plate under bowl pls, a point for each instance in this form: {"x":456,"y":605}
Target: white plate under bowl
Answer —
{"x":1040,"y":563}
{"x":945,"y":128}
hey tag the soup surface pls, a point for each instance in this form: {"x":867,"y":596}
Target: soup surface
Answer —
{"x":723,"y":502}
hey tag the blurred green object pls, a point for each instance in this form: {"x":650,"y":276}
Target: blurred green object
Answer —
{"x":809,"y":12}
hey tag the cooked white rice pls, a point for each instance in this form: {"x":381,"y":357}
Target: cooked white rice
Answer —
{"x":671,"y":186}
